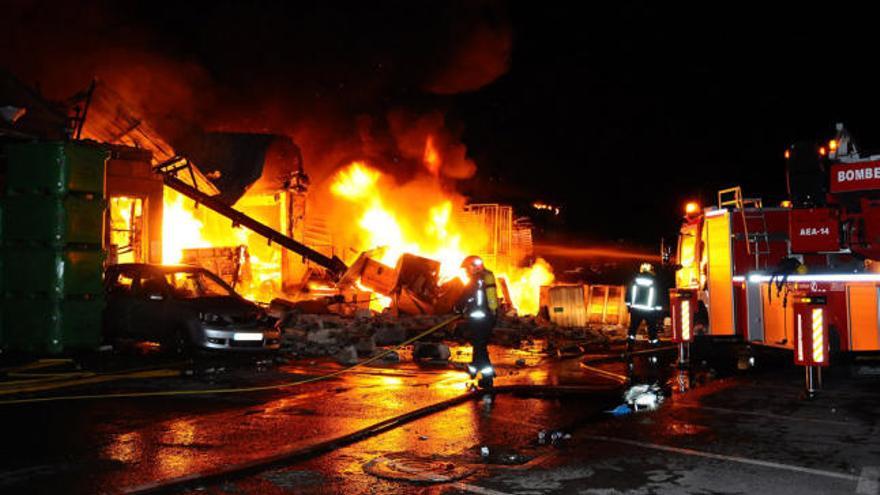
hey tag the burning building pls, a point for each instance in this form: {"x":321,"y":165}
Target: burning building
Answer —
{"x":242,"y":205}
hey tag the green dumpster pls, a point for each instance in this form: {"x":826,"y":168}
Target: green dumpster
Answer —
{"x":45,"y":272}
{"x":55,"y":168}
{"x":53,"y":220}
{"x":51,"y":325}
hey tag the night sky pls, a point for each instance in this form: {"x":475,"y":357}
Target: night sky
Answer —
{"x":618,"y":111}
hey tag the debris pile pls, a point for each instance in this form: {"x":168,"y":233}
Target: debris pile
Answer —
{"x":347,"y":337}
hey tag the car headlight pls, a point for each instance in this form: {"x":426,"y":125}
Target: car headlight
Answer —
{"x":213,"y":319}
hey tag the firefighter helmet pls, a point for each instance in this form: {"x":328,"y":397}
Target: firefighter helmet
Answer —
{"x":473,"y":264}
{"x":646,"y":268}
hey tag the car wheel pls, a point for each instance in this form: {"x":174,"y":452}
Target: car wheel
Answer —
{"x":177,"y":343}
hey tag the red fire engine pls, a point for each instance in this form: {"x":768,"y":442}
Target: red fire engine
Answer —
{"x":803,"y":276}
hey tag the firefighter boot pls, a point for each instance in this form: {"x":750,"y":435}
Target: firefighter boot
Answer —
{"x":487,"y":377}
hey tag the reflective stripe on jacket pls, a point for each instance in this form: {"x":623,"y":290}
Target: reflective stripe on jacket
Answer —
{"x":482,"y":300}
{"x":643,"y":294}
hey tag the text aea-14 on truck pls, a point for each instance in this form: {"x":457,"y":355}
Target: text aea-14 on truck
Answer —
{"x":805,"y":275}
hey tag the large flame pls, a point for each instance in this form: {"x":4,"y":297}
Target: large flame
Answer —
{"x":421,"y":221}
{"x":186,"y":226}
{"x":525,"y":285}
{"x":419,"y":218}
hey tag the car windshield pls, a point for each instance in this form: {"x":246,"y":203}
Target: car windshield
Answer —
{"x":195,"y":284}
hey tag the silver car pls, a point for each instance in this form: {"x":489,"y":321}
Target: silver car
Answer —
{"x":183,"y":307}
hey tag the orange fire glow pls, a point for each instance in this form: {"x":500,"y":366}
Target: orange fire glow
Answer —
{"x":431,"y":158}
{"x":186,"y":226}
{"x":525,"y":285}
{"x":375,"y":213}
{"x":419,"y":219}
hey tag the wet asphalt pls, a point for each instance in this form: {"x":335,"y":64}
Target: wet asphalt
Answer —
{"x":750,"y":432}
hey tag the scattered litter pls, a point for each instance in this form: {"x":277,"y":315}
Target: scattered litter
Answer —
{"x":644,"y":396}
{"x":423,"y":437}
{"x":521,"y":362}
{"x":621,"y":410}
{"x":639,"y":398}
{"x":552,"y":437}
{"x":484,"y":451}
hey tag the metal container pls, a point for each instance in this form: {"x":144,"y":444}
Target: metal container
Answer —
{"x":55,"y":168}
{"x":381,"y":278}
{"x":50,"y":325}
{"x":606,"y":305}
{"x":45,"y":272}
{"x":567,"y":305}
{"x":53,"y":220}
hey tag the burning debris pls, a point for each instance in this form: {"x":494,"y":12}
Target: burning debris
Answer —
{"x":384,"y":234}
{"x":416,"y":235}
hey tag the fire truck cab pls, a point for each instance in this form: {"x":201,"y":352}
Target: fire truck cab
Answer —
{"x":765,"y":274}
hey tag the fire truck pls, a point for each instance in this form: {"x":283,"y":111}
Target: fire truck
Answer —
{"x":803,"y":275}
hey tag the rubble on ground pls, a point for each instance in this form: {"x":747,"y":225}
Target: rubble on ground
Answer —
{"x":431,"y":351}
{"x":339,"y":336}
{"x":347,"y":355}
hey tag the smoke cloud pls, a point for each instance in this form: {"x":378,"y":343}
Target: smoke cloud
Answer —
{"x":370,"y":82}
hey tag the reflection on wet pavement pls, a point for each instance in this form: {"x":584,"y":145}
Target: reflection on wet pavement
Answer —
{"x":509,"y":429}
{"x":150,"y":440}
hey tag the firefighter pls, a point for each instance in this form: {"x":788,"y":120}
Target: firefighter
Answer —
{"x":643,"y":301}
{"x":479,"y":304}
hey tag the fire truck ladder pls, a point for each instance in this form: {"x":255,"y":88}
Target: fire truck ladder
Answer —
{"x":169,"y":170}
{"x":749,"y":209}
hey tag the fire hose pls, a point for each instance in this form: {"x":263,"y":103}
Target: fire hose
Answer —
{"x":260,"y":388}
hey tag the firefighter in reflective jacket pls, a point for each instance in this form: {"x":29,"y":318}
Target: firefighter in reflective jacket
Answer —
{"x":643,"y":301}
{"x":479,"y":304}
